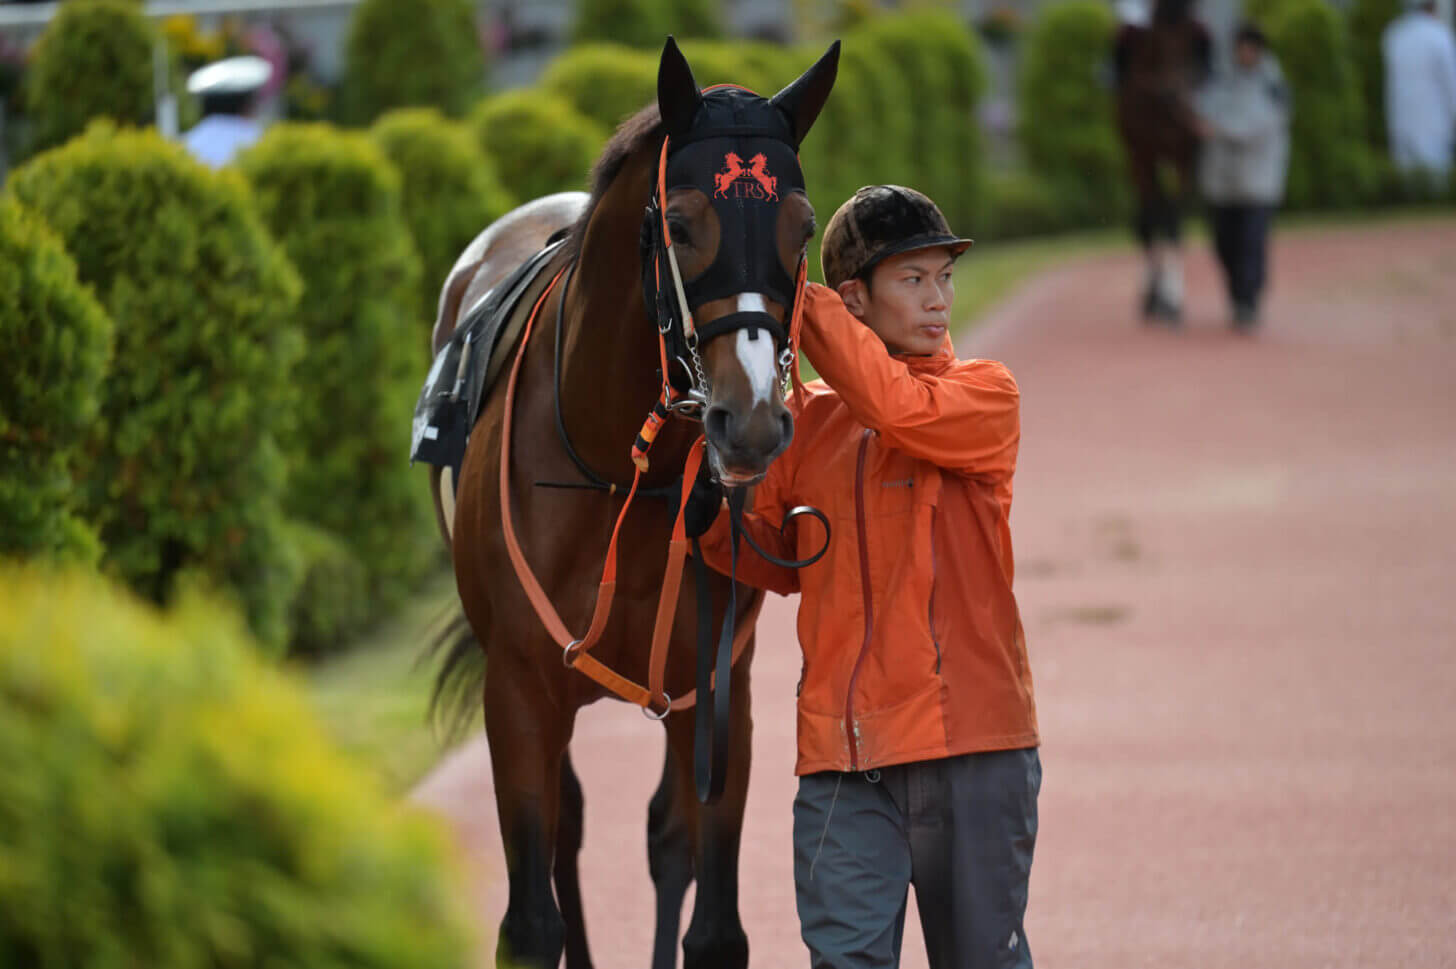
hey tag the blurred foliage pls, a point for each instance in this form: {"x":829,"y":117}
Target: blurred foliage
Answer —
{"x":939,"y":59}
{"x":193,"y":46}
{"x":606,"y":82}
{"x":634,"y":23}
{"x":1022,"y":204}
{"x":451,"y":192}
{"x":1330,"y":163}
{"x":182,"y":474}
{"x":167,"y":802}
{"x":59,"y":341}
{"x":539,"y":142}
{"x":334,"y":202}
{"x":331,"y":605}
{"x":411,"y":53}
{"x":1367,"y":22}
{"x":1066,"y":124}
{"x":94,"y":60}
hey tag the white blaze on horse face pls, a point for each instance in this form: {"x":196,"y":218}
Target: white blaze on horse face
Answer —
{"x":757,"y":356}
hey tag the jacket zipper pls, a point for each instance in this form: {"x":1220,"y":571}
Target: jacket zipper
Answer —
{"x":864,"y":572}
{"x":934,"y":572}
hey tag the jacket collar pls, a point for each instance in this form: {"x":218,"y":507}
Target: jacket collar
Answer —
{"x":934,"y":364}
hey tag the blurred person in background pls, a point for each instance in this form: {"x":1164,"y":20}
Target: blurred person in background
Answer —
{"x":228,"y":91}
{"x":1245,"y":114}
{"x":1420,"y":89}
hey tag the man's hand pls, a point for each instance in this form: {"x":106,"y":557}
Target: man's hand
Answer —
{"x":704,"y":502}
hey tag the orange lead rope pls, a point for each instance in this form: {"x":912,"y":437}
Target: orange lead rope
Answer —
{"x":576,"y":651}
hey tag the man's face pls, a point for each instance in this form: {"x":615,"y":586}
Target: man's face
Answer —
{"x":908,"y":300}
{"x":1247,"y":54}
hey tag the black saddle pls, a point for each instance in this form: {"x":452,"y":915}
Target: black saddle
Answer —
{"x":455,"y":389}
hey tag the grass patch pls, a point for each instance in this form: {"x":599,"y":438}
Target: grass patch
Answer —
{"x":373,"y":697}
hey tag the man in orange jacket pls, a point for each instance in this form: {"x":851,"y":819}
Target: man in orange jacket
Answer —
{"x":916,"y":723}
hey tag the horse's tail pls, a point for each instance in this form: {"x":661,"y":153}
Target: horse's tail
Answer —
{"x":458,"y":693}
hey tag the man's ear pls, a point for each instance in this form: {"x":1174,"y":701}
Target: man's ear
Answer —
{"x":855,"y":295}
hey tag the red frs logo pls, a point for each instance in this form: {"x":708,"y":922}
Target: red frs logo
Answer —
{"x":737,"y":182}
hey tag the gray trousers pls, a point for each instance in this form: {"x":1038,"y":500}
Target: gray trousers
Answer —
{"x":961,"y":830}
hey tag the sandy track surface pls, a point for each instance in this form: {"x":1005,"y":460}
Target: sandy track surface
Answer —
{"x":1236,"y":568}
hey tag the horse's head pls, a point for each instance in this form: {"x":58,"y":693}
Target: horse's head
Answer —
{"x":737,"y":239}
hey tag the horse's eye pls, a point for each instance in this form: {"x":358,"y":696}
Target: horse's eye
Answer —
{"x":679,"y":233}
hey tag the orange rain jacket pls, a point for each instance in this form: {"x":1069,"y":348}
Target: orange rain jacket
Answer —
{"x":913,"y":646}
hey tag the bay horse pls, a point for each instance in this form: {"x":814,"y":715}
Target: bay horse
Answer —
{"x":1157,"y":67}
{"x":730,"y":269}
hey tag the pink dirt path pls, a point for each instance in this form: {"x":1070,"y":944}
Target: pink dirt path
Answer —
{"x":1236,"y":569}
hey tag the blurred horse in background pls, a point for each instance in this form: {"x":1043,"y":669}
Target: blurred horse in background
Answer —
{"x":1158,"y":66}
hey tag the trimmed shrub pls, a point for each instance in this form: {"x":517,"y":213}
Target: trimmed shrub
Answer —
{"x":1368,"y":20}
{"x":1066,"y":125}
{"x":59,"y":341}
{"x":1019,"y":204}
{"x":539,"y":142}
{"x":692,"y":18}
{"x":450,"y":187}
{"x":93,"y":60}
{"x":719,"y":62}
{"x":334,"y":201}
{"x":939,"y":59}
{"x":606,"y":82}
{"x":421,"y":53}
{"x":863,"y":135}
{"x":1329,"y":162}
{"x":635,"y":23}
{"x":182,"y":473}
{"x":167,"y":802}
{"x":331,"y":605}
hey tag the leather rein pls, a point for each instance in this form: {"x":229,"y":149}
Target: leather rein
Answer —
{"x":714,"y":665}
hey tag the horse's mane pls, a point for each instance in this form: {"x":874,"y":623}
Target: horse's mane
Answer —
{"x":639,"y":131}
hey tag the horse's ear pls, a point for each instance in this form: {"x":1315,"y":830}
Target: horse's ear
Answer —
{"x":678,"y":96}
{"x":803,"y":99}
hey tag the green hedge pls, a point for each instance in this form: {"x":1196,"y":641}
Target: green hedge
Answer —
{"x":634,"y":23}
{"x":334,"y":201}
{"x":1066,"y":125}
{"x":940,"y":61}
{"x":606,"y":82}
{"x":93,"y":60}
{"x":1367,"y":23}
{"x":539,"y":142}
{"x":169,"y":803}
{"x":411,"y":53}
{"x":59,"y":341}
{"x":1330,"y":164}
{"x":183,"y":472}
{"x":451,"y":191}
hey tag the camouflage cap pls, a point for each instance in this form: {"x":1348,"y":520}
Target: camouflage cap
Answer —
{"x":880,"y":221}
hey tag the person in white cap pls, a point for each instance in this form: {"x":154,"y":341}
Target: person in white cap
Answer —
{"x":228,"y":91}
{"x":1420,"y":89}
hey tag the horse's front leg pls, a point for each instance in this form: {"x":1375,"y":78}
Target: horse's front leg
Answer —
{"x":670,"y":817}
{"x":527,"y":743}
{"x":715,"y":938}
{"x":568,"y":880}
